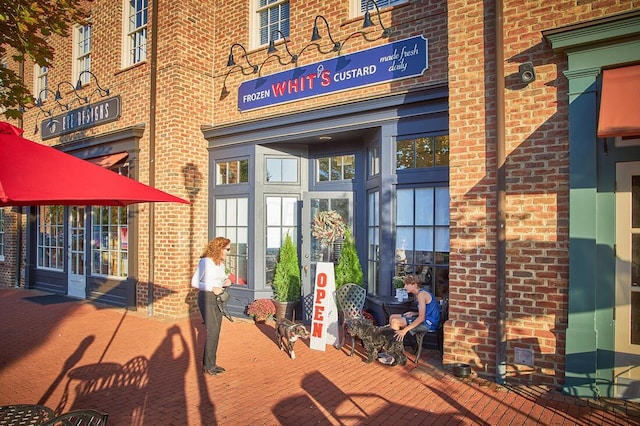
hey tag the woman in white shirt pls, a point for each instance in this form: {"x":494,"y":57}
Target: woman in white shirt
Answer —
{"x":211,"y":279}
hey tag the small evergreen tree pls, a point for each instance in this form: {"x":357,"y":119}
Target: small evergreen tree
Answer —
{"x":286,"y":281}
{"x":349,"y":269}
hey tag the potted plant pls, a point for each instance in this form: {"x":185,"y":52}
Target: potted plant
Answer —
{"x":349,"y":269}
{"x":398,"y":284}
{"x":286,"y":280}
{"x":261,"y":310}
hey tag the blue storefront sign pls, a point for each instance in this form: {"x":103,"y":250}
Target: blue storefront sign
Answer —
{"x":393,"y":61}
{"x":94,"y":114}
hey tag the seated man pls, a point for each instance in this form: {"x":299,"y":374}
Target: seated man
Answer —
{"x":428,"y":310}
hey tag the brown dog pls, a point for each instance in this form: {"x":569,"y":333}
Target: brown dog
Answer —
{"x":290,"y":332}
{"x":377,"y":339}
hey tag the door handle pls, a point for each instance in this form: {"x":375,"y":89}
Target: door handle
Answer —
{"x":306,"y":270}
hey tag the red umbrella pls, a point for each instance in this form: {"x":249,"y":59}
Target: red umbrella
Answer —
{"x":36,"y":174}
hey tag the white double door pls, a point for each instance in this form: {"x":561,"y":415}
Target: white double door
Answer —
{"x":76,"y":251}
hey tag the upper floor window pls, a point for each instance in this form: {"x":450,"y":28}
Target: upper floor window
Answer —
{"x":41,"y":82}
{"x":229,"y":172}
{"x":422,"y":152}
{"x":282,"y":170}
{"x":362,"y":5}
{"x":81,"y":53}
{"x":3,"y":63}
{"x":271,"y":15}
{"x":341,"y":167}
{"x":136,"y":18}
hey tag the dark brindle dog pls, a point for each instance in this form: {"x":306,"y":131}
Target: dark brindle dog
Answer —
{"x":377,"y":339}
{"x":290,"y":332}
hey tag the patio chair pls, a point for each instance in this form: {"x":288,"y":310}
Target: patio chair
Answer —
{"x":350,"y":299}
{"x":85,"y":417}
{"x":25,"y":414}
{"x":420,"y":331}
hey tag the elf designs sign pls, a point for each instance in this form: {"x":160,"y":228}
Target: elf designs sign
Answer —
{"x":393,"y":61}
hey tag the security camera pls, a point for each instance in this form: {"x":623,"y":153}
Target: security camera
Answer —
{"x":527,"y":73}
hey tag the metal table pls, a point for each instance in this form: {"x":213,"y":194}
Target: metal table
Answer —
{"x":25,"y":414}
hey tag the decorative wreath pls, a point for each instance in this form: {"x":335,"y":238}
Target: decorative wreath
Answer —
{"x":328,"y":226}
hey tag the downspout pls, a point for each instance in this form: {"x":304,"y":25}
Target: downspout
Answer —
{"x":501,"y":223}
{"x":152,"y":150}
{"x":19,"y":209}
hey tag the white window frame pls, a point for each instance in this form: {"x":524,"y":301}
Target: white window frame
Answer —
{"x":130,"y":34}
{"x":357,"y":6}
{"x":4,"y":64}
{"x":256,"y":10}
{"x":281,"y":219}
{"x":50,"y":238}
{"x":40,"y":82}
{"x":82,"y":35}
{"x":232,"y":222}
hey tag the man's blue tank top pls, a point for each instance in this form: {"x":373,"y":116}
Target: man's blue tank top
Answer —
{"x":432,"y":312}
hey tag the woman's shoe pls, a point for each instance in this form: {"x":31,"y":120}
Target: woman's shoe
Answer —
{"x":212,"y":372}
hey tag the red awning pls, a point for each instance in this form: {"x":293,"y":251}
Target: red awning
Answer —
{"x":620,"y":103}
{"x":107,"y":161}
{"x":35,"y":174}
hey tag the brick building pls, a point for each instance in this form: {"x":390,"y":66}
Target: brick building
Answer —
{"x":470,"y":156}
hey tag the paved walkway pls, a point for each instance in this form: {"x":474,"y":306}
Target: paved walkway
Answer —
{"x":146,"y":371}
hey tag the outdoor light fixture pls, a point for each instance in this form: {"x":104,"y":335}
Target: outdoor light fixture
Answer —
{"x":103,"y":92}
{"x":38,"y":101}
{"x":231,"y":62}
{"x":272,"y":47}
{"x":367,"y":19}
{"x":58,"y":96}
{"x":315,"y":36}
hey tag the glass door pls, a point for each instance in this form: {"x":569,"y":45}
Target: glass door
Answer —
{"x":627,"y":309}
{"x":76,"y":252}
{"x":312,"y":250}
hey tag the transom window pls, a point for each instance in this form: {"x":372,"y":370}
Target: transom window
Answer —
{"x":232,"y":222}
{"x":373,"y":161}
{"x":230,"y":172}
{"x":282,"y":170}
{"x":82,"y":53}
{"x":272,"y":15}
{"x":135,"y":42}
{"x":422,"y":152}
{"x":50,"y":237}
{"x":341,"y":167}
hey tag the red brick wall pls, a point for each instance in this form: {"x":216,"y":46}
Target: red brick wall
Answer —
{"x":184,"y":104}
{"x":427,"y":18}
{"x":536,"y":130}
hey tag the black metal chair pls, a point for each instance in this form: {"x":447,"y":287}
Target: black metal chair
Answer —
{"x":85,"y":417}
{"x":420,"y":331}
{"x":25,"y":414}
{"x":350,"y":299}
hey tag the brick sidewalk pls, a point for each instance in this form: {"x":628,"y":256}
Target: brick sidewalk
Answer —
{"x":144,"y":371}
